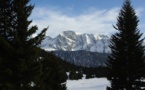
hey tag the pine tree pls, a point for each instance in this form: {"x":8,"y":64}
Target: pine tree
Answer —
{"x":126,"y":62}
{"x":20,"y":66}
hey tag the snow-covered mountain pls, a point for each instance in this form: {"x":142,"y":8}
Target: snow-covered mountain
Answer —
{"x":71,"y":41}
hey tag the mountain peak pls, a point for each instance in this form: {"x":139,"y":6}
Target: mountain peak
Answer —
{"x":68,"y":32}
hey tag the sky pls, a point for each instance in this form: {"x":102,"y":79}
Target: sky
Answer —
{"x":81,"y":16}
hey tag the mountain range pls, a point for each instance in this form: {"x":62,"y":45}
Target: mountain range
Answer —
{"x":71,"y":41}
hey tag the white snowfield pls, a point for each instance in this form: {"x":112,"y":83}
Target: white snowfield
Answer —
{"x":88,"y":84}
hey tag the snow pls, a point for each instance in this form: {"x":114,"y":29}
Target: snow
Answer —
{"x":88,"y":41}
{"x":88,"y":84}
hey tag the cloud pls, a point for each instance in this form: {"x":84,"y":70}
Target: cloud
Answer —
{"x":142,"y":28}
{"x":139,"y":11}
{"x":90,"y":21}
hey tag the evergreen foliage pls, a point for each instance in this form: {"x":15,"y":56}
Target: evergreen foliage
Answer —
{"x":126,"y":62}
{"x":54,"y":76}
{"x":20,"y":68}
{"x":75,"y":75}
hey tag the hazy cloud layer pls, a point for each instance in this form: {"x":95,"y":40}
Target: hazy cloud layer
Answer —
{"x":90,"y":21}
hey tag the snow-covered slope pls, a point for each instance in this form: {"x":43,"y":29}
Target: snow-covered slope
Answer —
{"x":88,"y":84}
{"x":71,"y":41}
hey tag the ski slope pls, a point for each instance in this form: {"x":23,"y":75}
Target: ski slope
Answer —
{"x":88,"y":84}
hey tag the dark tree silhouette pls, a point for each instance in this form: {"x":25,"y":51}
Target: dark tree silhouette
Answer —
{"x":126,"y":62}
{"x":54,"y":76}
{"x":20,"y":68}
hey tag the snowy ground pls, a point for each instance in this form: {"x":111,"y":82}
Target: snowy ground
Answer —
{"x":88,"y":84}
